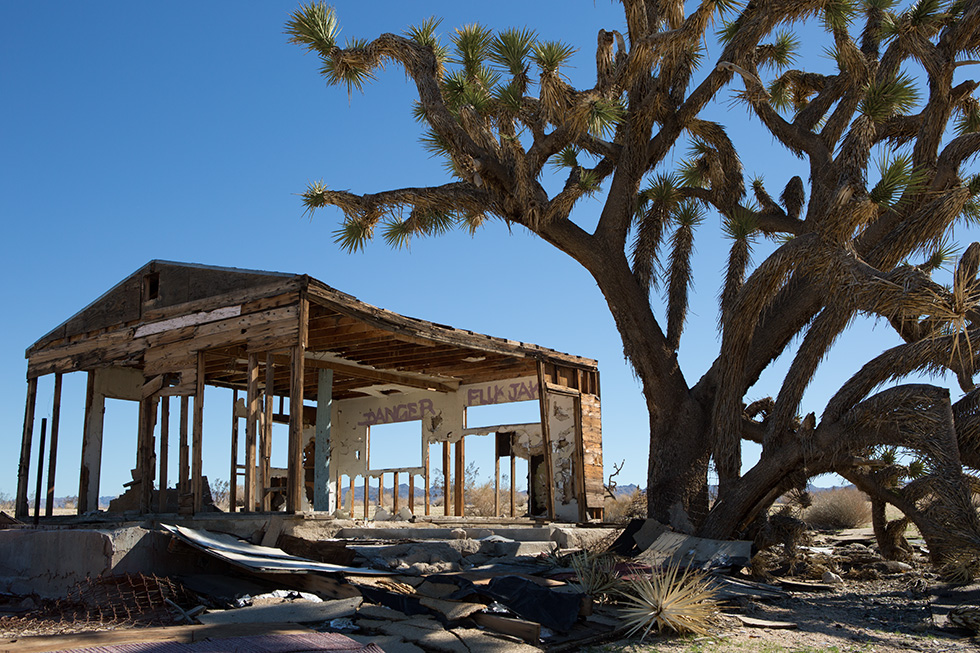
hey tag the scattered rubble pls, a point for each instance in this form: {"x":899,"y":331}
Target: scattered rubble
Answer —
{"x":500,"y":591}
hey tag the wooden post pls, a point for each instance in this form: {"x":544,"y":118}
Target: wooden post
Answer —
{"x":197,"y":466}
{"x":145,"y":461}
{"x":367,"y":494}
{"x":338,"y":504}
{"x":513,"y":476}
{"x":446,"y":475}
{"x":411,"y":493}
{"x":53,"y":455}
{"x":350,"y":495}
{"x":496,"y":476}
{"x":91,"y":467}
{"x":23,"y":471}
{"x":233,"y":472}
{"x":546,"y":437}
{"x":266,"y":443}
{"x":296,"y":485}
{"x":295,"y":474}
{"x":425,"y":480}
{"x":183,"y":453}
{"x":164,"y":452}
{"x":321,"y":465}
{"x":381,"y":489}
{"x":460,"y":479}
{"x":251,"y":425}
{"x":40,"y":472}
{"x":394,"y":495}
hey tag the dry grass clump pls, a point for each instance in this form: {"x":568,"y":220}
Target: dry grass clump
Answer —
{"x":626,"y":507}
{"x":682,"y":602}
{"x":839,"y":508}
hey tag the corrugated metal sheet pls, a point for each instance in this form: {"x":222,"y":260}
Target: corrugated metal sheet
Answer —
{"x":259,"y":558}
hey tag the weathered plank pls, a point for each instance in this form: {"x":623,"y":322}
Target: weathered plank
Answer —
{"x":53,"y":455}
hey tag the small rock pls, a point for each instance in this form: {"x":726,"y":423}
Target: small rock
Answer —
{"x":832,"y":578}
{"x":458,"y":534}
{"x":405,"y":515}
{"x":895,"y":566}
{"x":381,"y":514}
{"x":339,"y":514}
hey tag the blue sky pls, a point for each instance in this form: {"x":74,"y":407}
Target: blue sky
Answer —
{"x":183,"y":131}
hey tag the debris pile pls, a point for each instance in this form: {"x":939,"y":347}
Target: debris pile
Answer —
{"x":470,"y":589}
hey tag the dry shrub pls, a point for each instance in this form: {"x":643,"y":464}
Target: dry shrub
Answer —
{"x":839,"y":508}
{"x":626,"y":507}
{"x":479,"y":500}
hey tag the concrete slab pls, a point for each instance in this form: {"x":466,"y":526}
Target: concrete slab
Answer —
{"x":389,"y":643}
{"x":478,"y":641}
{"x":292,"y":612}
{"x":50,"y":563}
{"x":416,"y":632}
{"x":369,"y":611}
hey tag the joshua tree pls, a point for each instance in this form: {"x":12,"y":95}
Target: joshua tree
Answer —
{"x":853,"y":240}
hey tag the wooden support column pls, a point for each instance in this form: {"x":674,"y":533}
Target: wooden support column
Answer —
{"x":350,"y":495}
{"x":411,"y":493}
{"x":265,"y":448}
{"x":24,"y":470}
{"x":460,"y":480}
{"x":381,"y":489}
{"x":394,"y":491}
{"x":295,"y":478}
{"x":496,"y":475}
{"x":233,"y":471}
{"x":513,"y":475}
{"x":164,"y":452}
{"x":425,"y":481}
{"x":145,"y":461}
{"x":40,"y":471}
{"x":321,"y":469}
{"x":251,"y":426}
{"x":53,"y":456}
{"x":446,"y":477}
{"x":367,"y":494}
{"x":197,"y":466}
{"x":546,"y":437}
{"x":91,"y":468}
{"x":183,"y":453}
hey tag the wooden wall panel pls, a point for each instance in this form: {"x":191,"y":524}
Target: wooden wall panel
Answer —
{"x":592,"y":450}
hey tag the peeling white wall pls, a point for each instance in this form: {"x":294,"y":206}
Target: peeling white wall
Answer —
{"x":562,"y":427}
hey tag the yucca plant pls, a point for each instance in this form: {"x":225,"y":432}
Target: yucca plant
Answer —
{"x":595,"y":574}
{"x":680,"y":601}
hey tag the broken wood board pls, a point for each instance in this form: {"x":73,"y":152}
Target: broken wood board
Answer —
{"x":752,"y":622}
{"x":272,"y":531}
{"x":688,"y":551}
{"x":291,"y":612}
{"x":727,"y":588}
{"x":805,"y":586}
{"x":528,"y":631}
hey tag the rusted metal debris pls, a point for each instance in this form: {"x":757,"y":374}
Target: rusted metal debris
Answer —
{"x":126,"y":599}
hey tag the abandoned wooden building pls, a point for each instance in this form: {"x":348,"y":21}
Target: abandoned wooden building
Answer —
{"x":293,"y":350}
